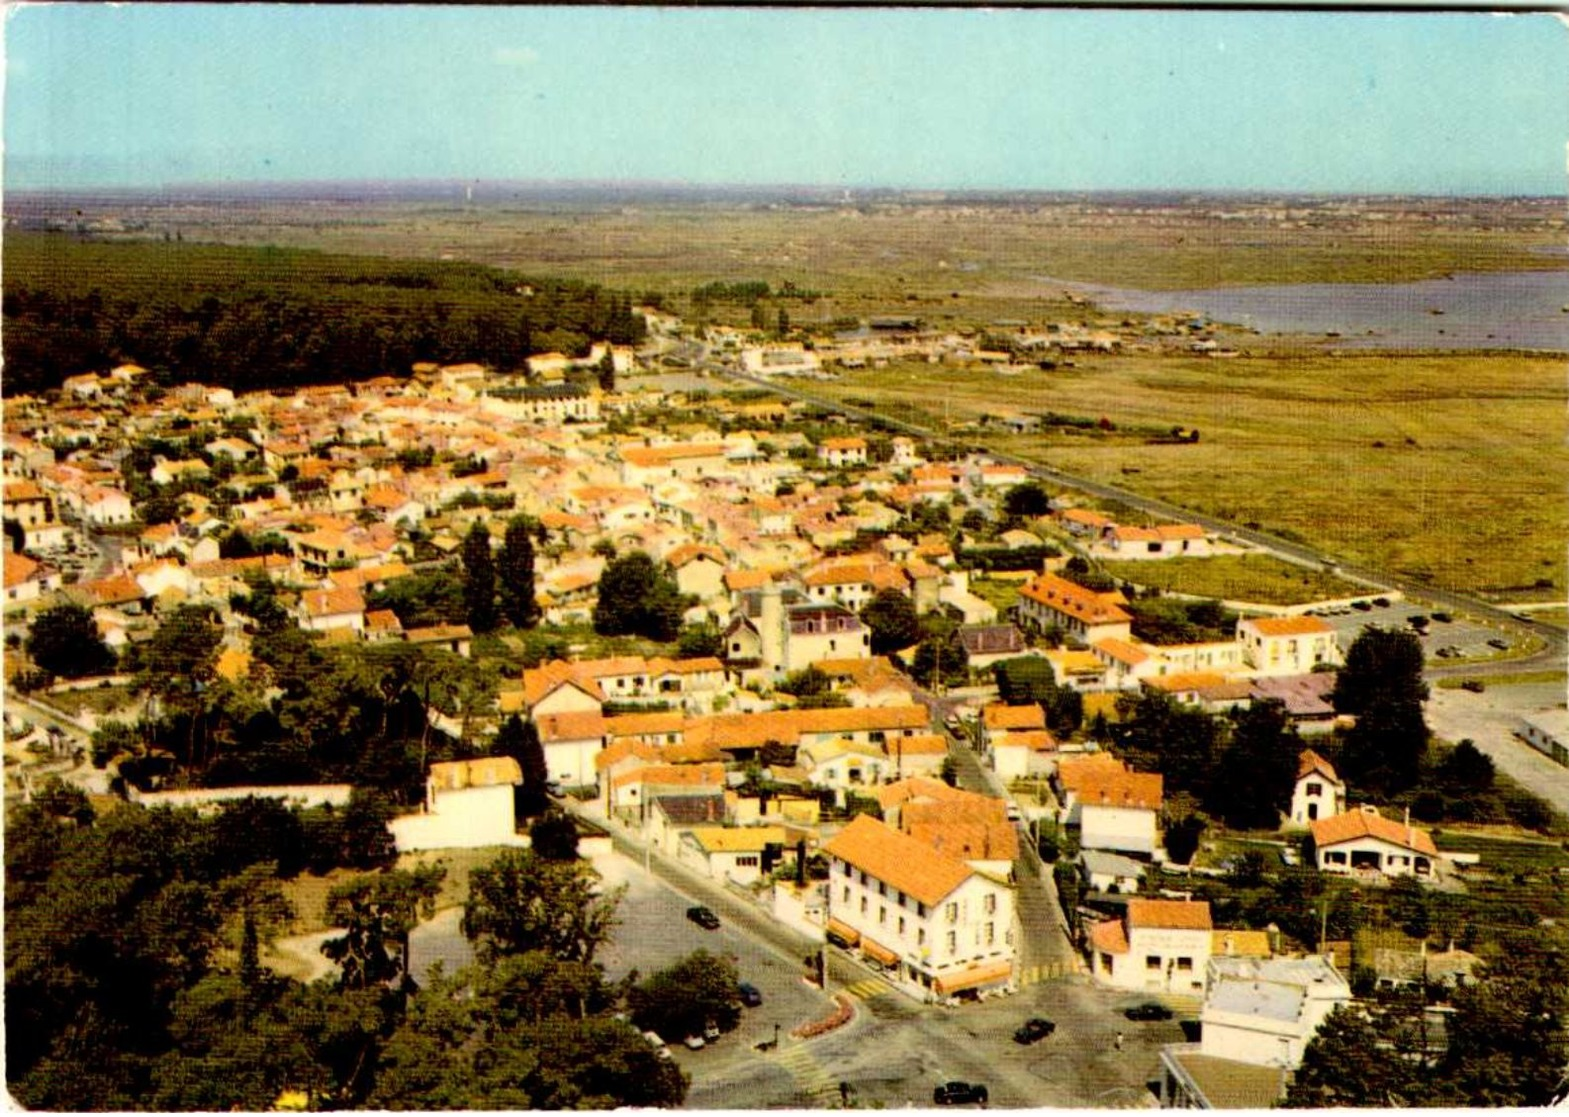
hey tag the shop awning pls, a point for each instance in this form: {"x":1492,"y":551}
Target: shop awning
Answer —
{"x":877,"y":952}
{"x":989,"y":973}
{"x":843,"y":933}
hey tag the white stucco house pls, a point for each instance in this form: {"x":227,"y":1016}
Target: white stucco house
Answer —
{"x":468,"y":803}
{"x":1365,"y":841}
{"x":1287,"y":645}
{"x":1318,"y":793}
{"x":1159,"y":946}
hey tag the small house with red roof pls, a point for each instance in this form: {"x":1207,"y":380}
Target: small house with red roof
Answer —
{"x":1158,"y":946}
{"x":1319,"y":793}
{"x":1364,"y":841}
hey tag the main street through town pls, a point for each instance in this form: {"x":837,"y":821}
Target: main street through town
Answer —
{"x":894,"y":1050}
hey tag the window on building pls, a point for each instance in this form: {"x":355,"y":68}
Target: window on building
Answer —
{"x":990,"y":933}
{"x":1151,"y":961}
{"x":920,"y":909}
{"x":746,"y":861}
{"x":901,"y":924}
{"x":882,"y":888}
{"x":1185,"y":965}
{"x":951,"y":913}
{"x":847,"y":893}
{"x":920,"y":936}
{"x":882,"y":914}
{"x":1315,"y":789}
{"x":990,"y":903}
{"x":953,"y":941}
{"x":863,"y":905}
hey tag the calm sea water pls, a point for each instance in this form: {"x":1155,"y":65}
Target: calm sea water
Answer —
{"x":1473,"y":310}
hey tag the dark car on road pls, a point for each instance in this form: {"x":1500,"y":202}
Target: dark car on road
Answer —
{"x":750,"y":996}
{"x":703,"y":917}
{"x":1148,"y":1011}
{"x":1034,"y":1030}
{"x":959,"y":1093}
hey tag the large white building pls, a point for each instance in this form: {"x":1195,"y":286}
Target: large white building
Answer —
{"x":1287,"y":645}
{"x":1259,"y":1016}
{"x":939,"y":926}
{"x":1365,"y":841}
{"x":468,"y":803}
{"x":1159,"y":946}
{"x":1319,"y":793}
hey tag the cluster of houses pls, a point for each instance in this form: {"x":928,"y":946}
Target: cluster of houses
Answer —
{"x":354,"y":487}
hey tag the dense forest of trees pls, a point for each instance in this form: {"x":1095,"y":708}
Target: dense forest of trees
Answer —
{"x":249,"y":318}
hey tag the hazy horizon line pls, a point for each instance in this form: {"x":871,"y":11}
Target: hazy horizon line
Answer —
{"x":684,"y":186}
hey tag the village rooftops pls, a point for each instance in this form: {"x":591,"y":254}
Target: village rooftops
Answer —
{"x":899,"y":861}
{"x":1073,"y":600}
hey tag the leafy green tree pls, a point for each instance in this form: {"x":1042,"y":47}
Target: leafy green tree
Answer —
{"x":521,"y":902}
{"x":1383,"y":667}
{"x":64,"y":801}
{"x":1159,"y":735}
{"x":607,"y":371}
{"x":782,"y":323}
{"x":554,"y":836}
{"x":1182,"y":838}
{"x":1383,"y":752}
{"x":940,"y":659}
{"x":64,"y":641}
{"x":515,"y":571}
{"x":1026,"y":501}
{"x":177,"y":666}
{"x":519,"y":739}
{"x":1467,"y":770}
{"x":891,"y":617}
{"x":1347,"y":1064}
{"x":378,"y":912}
{"x":1261,"y":755}
{"x":637,"y":598}
{"x":680,"y":1000}
{"x":698,"y":641}
{"x":479,"y":579}
{"x":1509,"y":1036}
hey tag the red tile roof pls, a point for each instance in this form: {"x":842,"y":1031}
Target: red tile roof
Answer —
{"x":1171,"y":915}
{"x":1368,"y":823}
{"x":897,"y":860}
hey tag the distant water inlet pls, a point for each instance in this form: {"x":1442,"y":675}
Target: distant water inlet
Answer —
{"x":1471,"y":310}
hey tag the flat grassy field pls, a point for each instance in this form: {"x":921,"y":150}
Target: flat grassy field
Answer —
{"x":913,"y":251}
{"x":1262,"y":579}
{"x":1445,"y":467}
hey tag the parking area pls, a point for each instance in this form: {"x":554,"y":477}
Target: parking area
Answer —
{"x":1445,"y":637}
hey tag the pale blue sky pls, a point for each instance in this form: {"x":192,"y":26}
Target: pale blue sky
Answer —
{"x":1047,"y":99}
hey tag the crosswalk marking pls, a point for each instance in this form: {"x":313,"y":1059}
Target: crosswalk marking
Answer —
{"x":868,"y":989}
{"x":810,"y":1078}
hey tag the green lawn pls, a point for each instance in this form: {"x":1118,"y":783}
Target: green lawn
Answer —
{"x":97,"y":700}
{"x":1262,"y":579}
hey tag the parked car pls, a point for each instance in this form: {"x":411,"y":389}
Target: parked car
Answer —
{"x":695,"y":1043}
{"x":1443,"y":618}
{"x":659,"y":1046}
{"x":751,"y":997}
{"x":1381,"y":602}
{"x":1149,"y":1010}
{"x":1034,"y":1030}
{"x":710,"y":1031}
{"x":703,"y":917}
{"x":1362,"y":606}
{"x":1501,"y":645}
{"x":959,"y":1093}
